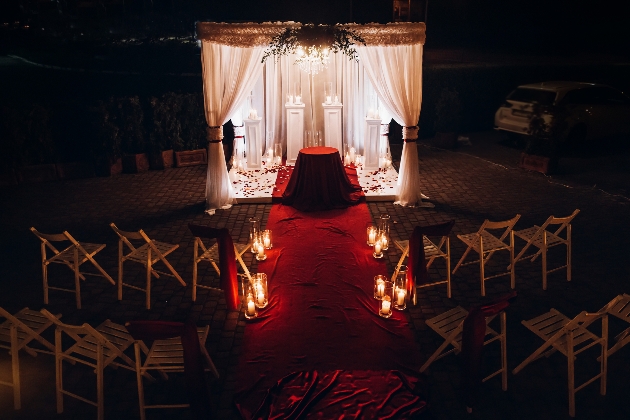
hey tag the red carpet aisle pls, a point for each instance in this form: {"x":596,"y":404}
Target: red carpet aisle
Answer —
{"x":321,"y":315}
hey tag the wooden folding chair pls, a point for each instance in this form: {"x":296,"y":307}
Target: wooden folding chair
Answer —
{"x":72,"y":257}
{"x":431,"y":252}
{"x":449,"y":326}
{"x":94,"y":347}
{"x":148,"y":255}
{"x":16,"y":332}
{"x":619,"y":307}
{"x":211,"y":255}
{"x":167,"y":356}
{"x":541,"y":238}
{"x":570,"y":337}
{"x":485,"y":244}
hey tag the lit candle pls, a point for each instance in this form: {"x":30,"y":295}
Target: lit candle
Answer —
{"x":346,"y":160}
{"x":267,"y":242}
{"x":291,"y":99}
{"x":380,"y":288}
{"x":328,"y":99}
{"x":298,"y":99}
{"x":336,"y":99}
{"x":371,"y":113}
{"x":401,"y":297}
{"x":261,"y":251}
{"x":384,"y":241}
{"x":377,"y":247}
{"x":352,"y":154}
{"x":251,"y":308}
{"x":278,"y":160}
{"x":385,"y":305}
{"x":372,"y":236}
{"x":270,"y":153}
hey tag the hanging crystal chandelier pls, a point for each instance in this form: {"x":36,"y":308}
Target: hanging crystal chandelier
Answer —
{"x":313,"y":60}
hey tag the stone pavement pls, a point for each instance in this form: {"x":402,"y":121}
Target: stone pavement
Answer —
{"x":462,"y":187}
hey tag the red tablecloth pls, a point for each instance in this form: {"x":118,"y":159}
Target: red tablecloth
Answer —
{"x":319,"y":182}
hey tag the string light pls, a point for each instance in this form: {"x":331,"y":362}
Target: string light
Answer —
{"x":313,"y":60}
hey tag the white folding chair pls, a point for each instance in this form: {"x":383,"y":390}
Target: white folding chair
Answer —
{"x":72,"y":257}
{"x":431,"y":252}
{"x":570,"y":337}
{"x":619,"y":307}
{"x":148,"y":254}
{"x":211,"y":255}
{"x":541,"y":238}
{"x":94,"y":347}
{"x":450,"y":325}
{"x":16,"y":332}
{"x":167,"y":356}
{"x":485,"y":244}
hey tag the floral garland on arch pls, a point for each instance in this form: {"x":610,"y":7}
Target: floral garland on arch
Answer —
{"x":311,"y":41}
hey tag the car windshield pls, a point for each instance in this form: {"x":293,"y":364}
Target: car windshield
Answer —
{"x":543,"y":97}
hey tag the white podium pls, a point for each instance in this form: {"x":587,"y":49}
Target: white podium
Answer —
{"x":372,"y":143}
{"x":332,"y":126}
{"x":253,"y":143}
{"x":295,"y":131}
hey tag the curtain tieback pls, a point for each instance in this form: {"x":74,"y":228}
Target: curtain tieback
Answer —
{"x":410,"y":133}
{"x":214,"y":141}
{"x":214,"y":133}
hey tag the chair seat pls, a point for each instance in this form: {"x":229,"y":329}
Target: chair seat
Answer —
{"x":534,"y":235}
{"x":67,"y":255}
{"x":140,"y":253}
{"x":32,"y":319}
{"x":168,"y":354}
{"x":430,"y":249}
{"x":621,"y":309}
{"x":546,"y":325}
{"x":212,"y":253}
{"x":116,"y":334}
{"x":490,"y":242}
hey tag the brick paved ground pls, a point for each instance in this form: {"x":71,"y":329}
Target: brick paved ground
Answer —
{"x":462,"y":187}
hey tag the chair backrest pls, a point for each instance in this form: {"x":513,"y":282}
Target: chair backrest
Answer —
{"x":125,"y":236}
{"x":619,"y":307}
{"x":47,"y":238}
{"x":582,"y":320}
{"x":562,"y":221}
{"x":508,"y":225}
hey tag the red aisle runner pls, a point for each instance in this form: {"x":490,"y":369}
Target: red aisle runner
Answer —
{"x":322,"y":314}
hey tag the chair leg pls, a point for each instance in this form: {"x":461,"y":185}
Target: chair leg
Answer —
{"x":461,"y":260}
{"x":512,"y":268}
{"x":604,"y":356}
{"x":77,"y":283}
{"x":139,"y":381}
{"x":58,"y":371}
{"x":569,"y":261}
{"x":194,"y":280}
{"x":100,"y":400}
{"x":45,"y":280}
{"x":504,"y":369}
{"x":482,"y":275}
{"x":448,"y":268}
{"x":544,"y":268}
{"x":148,"y":288}
{"x":172,"y":270}
{"x":571,"y":374}
{"x":15,"y":368}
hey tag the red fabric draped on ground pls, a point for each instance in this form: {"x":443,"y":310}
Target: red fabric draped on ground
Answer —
{"x":322,"y":314}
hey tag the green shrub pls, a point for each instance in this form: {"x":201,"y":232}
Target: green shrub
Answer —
{"x":104,"y":138}
{"x":128,"y":116}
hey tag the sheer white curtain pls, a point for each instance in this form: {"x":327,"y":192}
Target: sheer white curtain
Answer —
{"x":396,"y":74}
{"x":229,"y":75}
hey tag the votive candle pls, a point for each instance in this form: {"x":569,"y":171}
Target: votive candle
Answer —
{"x":385,"y":305}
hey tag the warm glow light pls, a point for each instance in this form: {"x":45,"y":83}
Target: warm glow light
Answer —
{"x":313,"y":60}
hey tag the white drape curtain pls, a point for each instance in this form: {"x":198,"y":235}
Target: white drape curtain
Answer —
{"x":395,"y":72}
{"x":229,"y":74}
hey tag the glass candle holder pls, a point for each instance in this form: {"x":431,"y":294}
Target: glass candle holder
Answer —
{"x":385,"y":304}
{"x":254,"y":232}
{"x":383,"y":230}
{"x":379,"y":286}
{"x":278,"y":153}
{"x":400,"y":289}
{"x":250,"y":302}
{"x":260,"y":251}
{"x":261,"y":293}
{"x":266,"y":239}
{"x":378,"y":249}
{"x":371,"y":235}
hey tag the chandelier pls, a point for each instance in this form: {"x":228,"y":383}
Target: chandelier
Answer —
{"x":313,"y":44}
{"x":313,"y":60}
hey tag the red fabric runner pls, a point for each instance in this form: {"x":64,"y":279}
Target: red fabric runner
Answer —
{"x":319,"y":182}
{"x":322,"y":314}
{"x":227,"y":262}
{"x":193,"y":363}
{"x":343,"y":394}
{"x":416,"y":261}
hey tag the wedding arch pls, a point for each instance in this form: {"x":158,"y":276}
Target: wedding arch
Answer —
{"x":388,"y":68}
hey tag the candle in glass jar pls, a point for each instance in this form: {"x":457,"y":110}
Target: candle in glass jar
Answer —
{"x":401,"y":297}
{"x":260,"y":294}
{"x":267,"y":241}
{"x":385,"y":305}
{"x":251,"y":308}
{"x":377,"y":247}
{"x":336,"y":99}
{"x":352,"y":154}
{"x":328,"y":99}
{"x":380,"y":288}
{"x":298,"y":99}
{"x":384,"y":242}
{"x":261,"y":251}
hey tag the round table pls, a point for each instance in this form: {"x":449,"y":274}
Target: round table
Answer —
{"x":319,"y":182}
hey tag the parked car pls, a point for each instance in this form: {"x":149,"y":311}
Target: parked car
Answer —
{"x":590,"y":110}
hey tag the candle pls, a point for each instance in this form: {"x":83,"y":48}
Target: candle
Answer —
{"x":291,"y":99}
{"x":371,"y":113}
{"x":266,"y":241}
{"x":346,"y":160}
{"x":298,"y":99}
{"x":251,"y":308}
{"x":401,"y":297}
{"x":336,"y":99}
{"x":384,"y":241}
{"x":328,"y":99}
{"x":352,"y":154}
{"x":371,"y":236}
{"x":377,"y":247}
{"x":270,"y":153}
{"x":385,"y":306}
{"x":380,"y":288}
{"x":261,"y":251}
